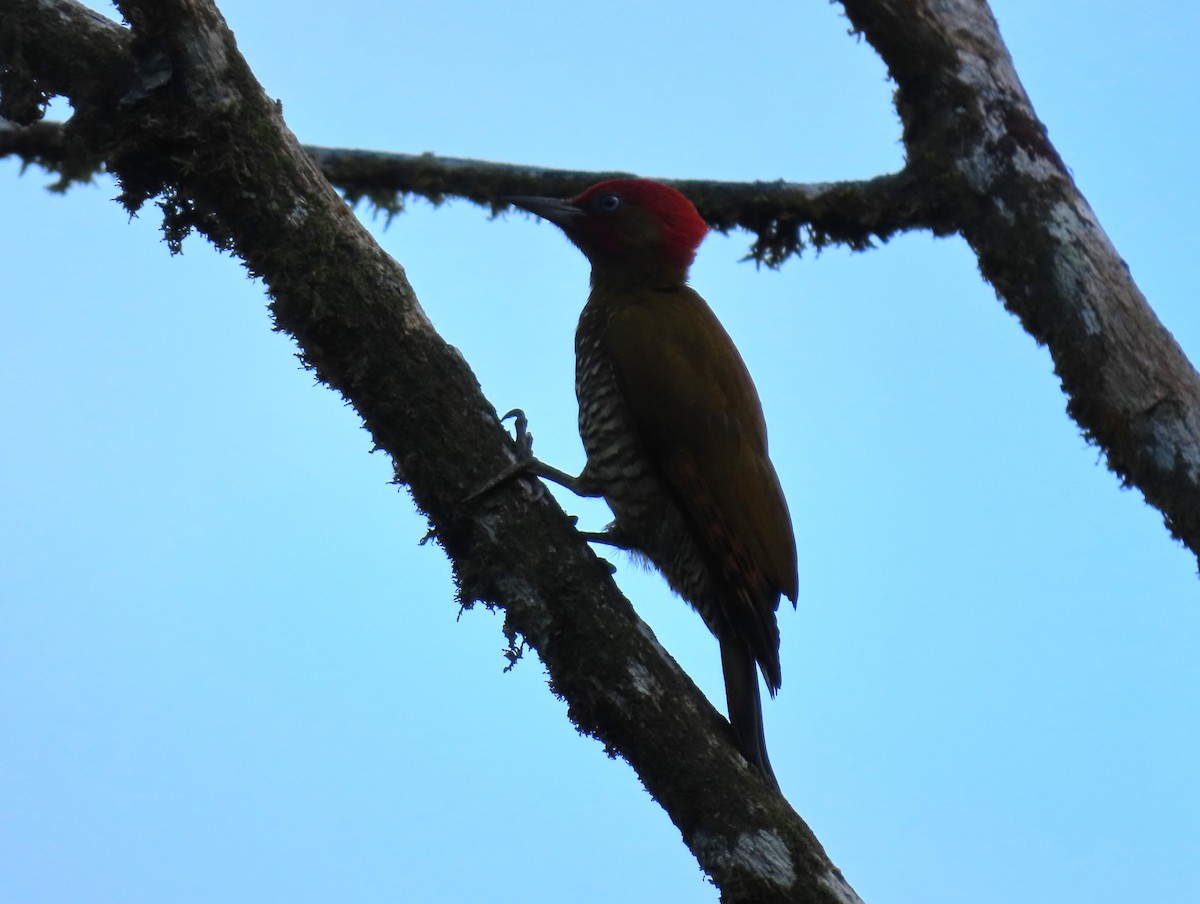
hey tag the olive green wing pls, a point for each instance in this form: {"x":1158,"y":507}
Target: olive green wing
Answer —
{"x":696,"y":409}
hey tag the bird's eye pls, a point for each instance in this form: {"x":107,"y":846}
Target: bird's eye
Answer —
{"x":608,"y":201}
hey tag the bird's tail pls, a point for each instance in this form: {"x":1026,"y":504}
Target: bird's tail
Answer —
{"x":745,"y":704}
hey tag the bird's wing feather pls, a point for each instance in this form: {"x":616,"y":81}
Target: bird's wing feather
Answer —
{"x":696,"y":408}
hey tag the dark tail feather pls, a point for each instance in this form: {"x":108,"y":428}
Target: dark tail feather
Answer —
{"x":745,"y":705}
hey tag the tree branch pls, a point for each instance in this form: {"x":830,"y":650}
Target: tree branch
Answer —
{"x":192,"y":128}
{"x":784,"y":217}
{"x":972,"y":133}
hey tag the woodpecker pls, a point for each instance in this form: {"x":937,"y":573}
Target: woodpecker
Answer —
{"x":674,"y":432}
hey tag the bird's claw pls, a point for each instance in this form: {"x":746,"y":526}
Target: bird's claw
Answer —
{"x":524,"y":461}
{"x":521,"y":435}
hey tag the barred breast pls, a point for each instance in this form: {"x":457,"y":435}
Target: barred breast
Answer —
{"x":643,"y":504}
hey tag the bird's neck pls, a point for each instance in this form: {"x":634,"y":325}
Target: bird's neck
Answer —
{"x":633,"y":275}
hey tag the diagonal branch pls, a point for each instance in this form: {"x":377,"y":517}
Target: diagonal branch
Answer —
{"x":970,"y":129}
{"x":192,"y":128}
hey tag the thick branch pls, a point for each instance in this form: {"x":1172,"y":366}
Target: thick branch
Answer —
{"x":207,"y":141}
{"x":971,"y":131}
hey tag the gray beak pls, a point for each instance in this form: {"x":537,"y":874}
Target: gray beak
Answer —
{"x":559,"y":211}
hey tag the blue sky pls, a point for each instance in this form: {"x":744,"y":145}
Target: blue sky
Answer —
{"x":228,"y":671}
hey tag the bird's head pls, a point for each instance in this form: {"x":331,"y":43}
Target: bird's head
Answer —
{"x":634,"y":229}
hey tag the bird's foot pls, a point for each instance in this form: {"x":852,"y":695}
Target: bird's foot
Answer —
{"x":524,"y":463}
